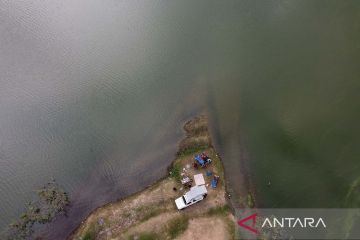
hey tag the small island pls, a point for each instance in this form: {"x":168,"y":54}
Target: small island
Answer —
{"x":152,"y":213}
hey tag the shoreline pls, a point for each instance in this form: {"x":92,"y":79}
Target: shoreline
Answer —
{"x":236,"y":197}
{"x":70,"y":236}
{"x":120,"y":199}
{"x":197,"y":139}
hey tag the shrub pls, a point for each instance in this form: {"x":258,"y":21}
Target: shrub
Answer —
{"x":90,"y":235}
{"x":176,"y":171}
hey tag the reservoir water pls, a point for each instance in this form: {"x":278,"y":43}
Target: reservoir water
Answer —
{"x":94,"y":94}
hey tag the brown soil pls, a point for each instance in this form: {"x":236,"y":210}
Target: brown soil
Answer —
{"x":206,"y":228}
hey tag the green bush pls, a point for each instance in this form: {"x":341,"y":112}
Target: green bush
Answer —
{"x":90,"y":235}
{"x":175,"y":171}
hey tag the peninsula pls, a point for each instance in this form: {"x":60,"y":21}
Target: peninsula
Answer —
{"x":152,"y":213}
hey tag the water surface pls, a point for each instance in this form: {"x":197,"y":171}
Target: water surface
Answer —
{"x":95,"y":93}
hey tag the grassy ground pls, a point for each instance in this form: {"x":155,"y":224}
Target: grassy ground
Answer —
{"x":152,"y":214}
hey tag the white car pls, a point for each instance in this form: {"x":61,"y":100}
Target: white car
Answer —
{"x":196,"y":194}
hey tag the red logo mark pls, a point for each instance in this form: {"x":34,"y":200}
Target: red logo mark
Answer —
{"x":252,"y":229}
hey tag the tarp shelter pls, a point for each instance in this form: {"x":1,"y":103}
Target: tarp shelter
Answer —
{"x":199,"y":179}
{"x":199,"y":160}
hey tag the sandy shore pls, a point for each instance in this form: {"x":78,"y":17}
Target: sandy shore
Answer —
{"x":152,"y":214}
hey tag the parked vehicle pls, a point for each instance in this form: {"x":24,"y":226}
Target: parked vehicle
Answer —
{"x":196,"y":194}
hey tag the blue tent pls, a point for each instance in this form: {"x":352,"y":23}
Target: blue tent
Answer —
{"x":199,"y":160}
{"x":215,"y":181}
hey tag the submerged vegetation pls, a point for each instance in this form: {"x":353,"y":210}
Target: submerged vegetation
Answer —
{"x":51,"y":200}
{"x":250,"y":200}
{"x":352,"y":199}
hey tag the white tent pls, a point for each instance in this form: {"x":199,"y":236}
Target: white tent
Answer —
{"x":199,"y":179}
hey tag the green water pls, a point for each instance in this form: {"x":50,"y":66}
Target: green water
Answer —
{"x":293,"y":100}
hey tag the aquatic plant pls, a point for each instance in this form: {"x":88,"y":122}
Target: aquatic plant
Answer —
{"x":250,"y":200}
{"x":51,"y":201}
{"x":352,"y":203}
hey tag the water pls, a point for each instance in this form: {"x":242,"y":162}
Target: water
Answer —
{"x":94,"y":94}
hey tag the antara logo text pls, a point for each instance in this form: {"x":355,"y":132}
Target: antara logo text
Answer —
{"x":250,"y":223}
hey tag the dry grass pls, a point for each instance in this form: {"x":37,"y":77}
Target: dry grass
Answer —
{"x":177,"y":226}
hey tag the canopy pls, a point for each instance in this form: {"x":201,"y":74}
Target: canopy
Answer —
{"x":199,"y":179}
{"x":199,"y":160}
